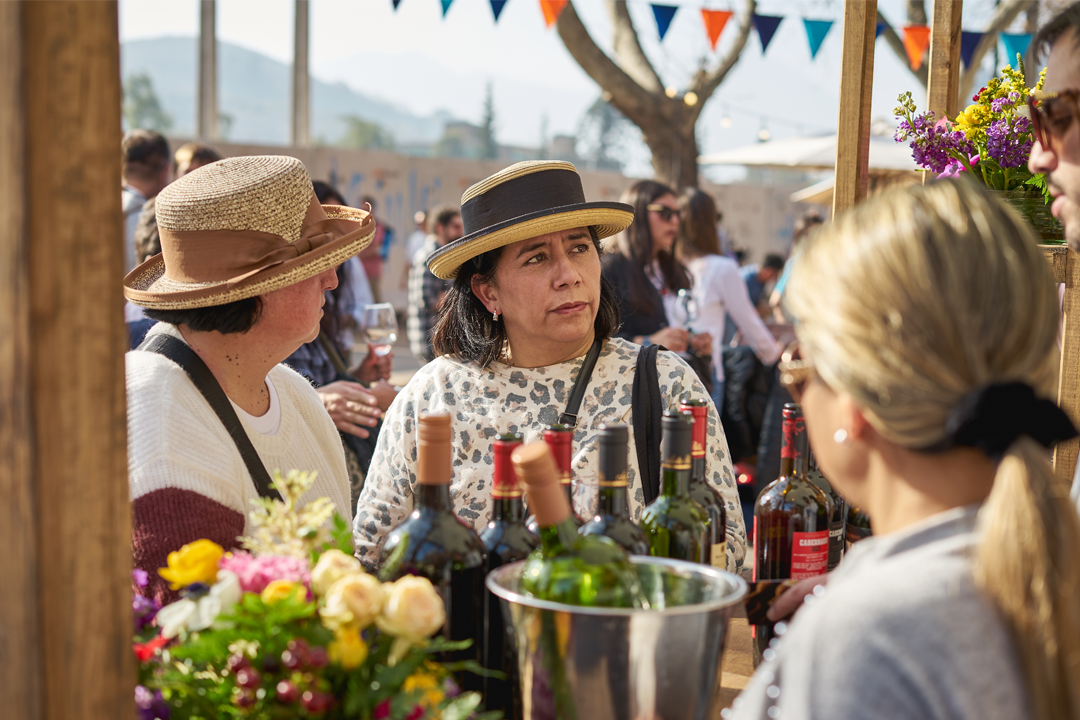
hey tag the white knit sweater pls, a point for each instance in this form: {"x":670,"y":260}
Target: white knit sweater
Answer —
{"x":175,"y":440}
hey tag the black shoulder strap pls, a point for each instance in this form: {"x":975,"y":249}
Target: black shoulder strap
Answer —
{"x":647,"y":409}
{"x":577,"y":393}
{"x":204,"y":380}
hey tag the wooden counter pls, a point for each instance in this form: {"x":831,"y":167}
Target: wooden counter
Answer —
{"x":738,"y":664}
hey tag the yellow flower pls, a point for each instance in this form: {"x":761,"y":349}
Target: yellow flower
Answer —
{"x":413,"y":609}
{"x":195,"y":562}
{"x":348,"y":649}
{"x":278,"y":590}
{"x":353,"y":602}
{"x":429,"y":685}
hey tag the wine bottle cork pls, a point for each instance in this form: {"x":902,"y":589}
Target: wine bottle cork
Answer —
{"x":434,"y":456}
{"x":537,"y":470}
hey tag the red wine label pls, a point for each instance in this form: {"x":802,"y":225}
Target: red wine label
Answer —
{"x":809,"y":554}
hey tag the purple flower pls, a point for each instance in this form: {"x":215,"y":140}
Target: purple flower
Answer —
{"x":257,"y":571}
{"x":1000,"y":104}
{"x":151,"y":706}
{"x":1009,"y":142}
{"x":143,"y":611}
{"x":141,"y":578}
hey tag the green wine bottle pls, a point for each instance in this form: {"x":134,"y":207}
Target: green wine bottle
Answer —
{"x":676,"y":524}
{"x":700,"y":489}
{"x":567,"y":567}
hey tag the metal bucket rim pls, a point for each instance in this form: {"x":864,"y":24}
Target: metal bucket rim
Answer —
{"x":738,"y":593}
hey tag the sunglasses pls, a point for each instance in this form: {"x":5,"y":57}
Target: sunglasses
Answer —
{"x":665,"y":212}
{"x":795,"y":372}
{"x":1052,"y":114}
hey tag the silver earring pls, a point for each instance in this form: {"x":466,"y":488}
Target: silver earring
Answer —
{"x":840,"y":436}
{"x":495,"y":316}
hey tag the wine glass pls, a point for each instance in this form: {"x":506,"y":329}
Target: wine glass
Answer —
{"x":380,"y":327}
{"x":688,"y":308}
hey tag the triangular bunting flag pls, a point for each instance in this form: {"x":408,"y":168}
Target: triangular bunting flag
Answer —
{"x":879,"y":29}
{"x":396,"y":3}
{"x":766,"y":27}
{"x":446,"y":6}
{"x":497,"y":8}
{"x":1015,"y":45}
{"x":552,"y":10}
{"x":916,"y":41}
{"x":663,"y":15}
{"x":969,"y":41}
{"x":816,"y":30}
{"x":715,"y":20}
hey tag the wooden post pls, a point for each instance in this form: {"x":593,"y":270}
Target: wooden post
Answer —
{"x":856,"y":86}
{"x":943,"y":85}
{"x":1066,"y":268}
{"x":65,"y":638}
{"x":208,"y":112}
{"x":301,"y":80}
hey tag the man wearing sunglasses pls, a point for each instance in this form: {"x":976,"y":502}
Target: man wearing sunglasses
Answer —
{"x":1054,"y":115}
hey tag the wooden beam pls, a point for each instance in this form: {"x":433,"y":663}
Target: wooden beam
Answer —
{"x":943,"y":86}
{"x":68,"y":261}
{"x":856,"y":89}
{"x":1065,"y":454}
{"x":301,"y":79}
{"x":207,"y":94}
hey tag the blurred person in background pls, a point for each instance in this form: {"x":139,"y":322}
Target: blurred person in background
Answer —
{"x":144,"y":156}
{"x":426,"y":291}
{"x":412,"y":244}
{"x":374,"y":256}
{"x":806,"y":224}
{"x":757,"y":278}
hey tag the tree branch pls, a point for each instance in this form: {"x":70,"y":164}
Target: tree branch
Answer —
{"x":1003,"y":18}
{"x":706,"y":82}
{"x":628,"y":53}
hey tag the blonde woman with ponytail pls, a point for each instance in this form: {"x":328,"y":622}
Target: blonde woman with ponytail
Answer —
{"x":927,"y":322}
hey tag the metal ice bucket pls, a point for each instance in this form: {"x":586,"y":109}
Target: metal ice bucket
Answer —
{"x":589,"y":663}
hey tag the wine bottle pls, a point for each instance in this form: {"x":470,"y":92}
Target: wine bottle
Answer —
{"x":676,"y":525}
{"x":506,"y":540}
{"x":433,"y":543}
{"x":858,"y":526}
{"x":613,"y":514}
{"x":560,"y":438}
{"x":567,"y":567}
{"x":838,"y":509}
{"x":700,"y":489}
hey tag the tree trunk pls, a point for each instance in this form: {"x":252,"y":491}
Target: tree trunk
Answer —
{"x":674,"y":150}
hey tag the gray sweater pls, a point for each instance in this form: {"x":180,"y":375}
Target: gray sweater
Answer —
{"x":901,"y":631}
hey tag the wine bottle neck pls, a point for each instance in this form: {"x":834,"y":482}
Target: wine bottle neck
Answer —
{"x":697,"y":471}
{"x":612,"y":501}
{"x":433,"y":497}
{"x":559,"y":537}
{"x":675,"y":482}
{"x":508,"y":509}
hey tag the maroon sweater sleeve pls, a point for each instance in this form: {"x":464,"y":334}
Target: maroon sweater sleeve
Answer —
{"x":165,"y":520}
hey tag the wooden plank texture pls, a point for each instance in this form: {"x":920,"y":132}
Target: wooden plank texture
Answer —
{"x":1065,"y":454}
{"x":207,"y":90}
{"x":1058,"y":256}
{"x":71,"y":61}
{"x":856,"y":86}
{"x":943,"y":87}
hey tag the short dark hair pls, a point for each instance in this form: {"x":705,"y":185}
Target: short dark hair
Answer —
{"x":807,"y":222}
{"x":442,"y":215}
{"x":143,"y":154}
{"x":194,"y":153}
{"x":773,"y":262}
{"x":232,"y":318}
{"x":1068,"y":20}
{"x":327,"y":193}
{"x":464,"y":327}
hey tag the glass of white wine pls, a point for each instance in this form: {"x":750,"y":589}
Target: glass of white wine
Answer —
{"x":380,"y":327}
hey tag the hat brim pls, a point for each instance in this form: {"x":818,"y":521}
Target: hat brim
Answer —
{"x":608,"y":218}
{"x":148,"y":287}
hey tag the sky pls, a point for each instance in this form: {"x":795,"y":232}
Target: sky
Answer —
{"x":417,"y":59}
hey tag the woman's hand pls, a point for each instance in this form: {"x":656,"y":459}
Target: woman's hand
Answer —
{"x":351,"y":407}
{"x":794,"y":598}
{"x":384,"y":394}
{"x":701,"y":344}
{"x":374,"y":367}
{"x":674,"y":339}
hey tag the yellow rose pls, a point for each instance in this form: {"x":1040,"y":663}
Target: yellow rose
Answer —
{"x":348,"y":649}
{"x":413,"y":609}
{"x":195,"y":562}
{"x":332,"y":566}
{"x":353,"y":602}
{"x":278,"y":590}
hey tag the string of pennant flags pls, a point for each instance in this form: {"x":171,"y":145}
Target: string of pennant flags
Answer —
{"x":916,"y":38}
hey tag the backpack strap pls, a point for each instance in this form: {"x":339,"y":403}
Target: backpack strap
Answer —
{"x":647,"y":410}
{"x":179,"y":352}
{"x":581,"y":383}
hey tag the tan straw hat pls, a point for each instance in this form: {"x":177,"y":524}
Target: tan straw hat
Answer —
{"x":241,"y":227}
{"x":524,"y":201}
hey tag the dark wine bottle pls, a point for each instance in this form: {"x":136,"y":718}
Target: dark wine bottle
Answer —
{"x":433,"y":543}
{"x":858,"y":526}
{"x":613,"y":513}
{"x":700,"y":489}
{"x":838,"y":510}
{"x":506,"y":540}
{"x":567,"y":567}
{"x":676,"y":525}
{"x":560,"y":438}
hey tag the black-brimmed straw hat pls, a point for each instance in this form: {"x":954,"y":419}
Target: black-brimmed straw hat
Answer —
{"x":524,"y":201}
{"x":241,"y":227}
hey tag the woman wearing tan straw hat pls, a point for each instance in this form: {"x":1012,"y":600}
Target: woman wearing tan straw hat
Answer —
{"x":527,"y":312}
{"x":247,"y":255}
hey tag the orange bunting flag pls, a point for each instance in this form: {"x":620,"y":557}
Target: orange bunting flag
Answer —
{"x":715,"y":20}
{"x":916,"y":42}
{"x":552,"y":10}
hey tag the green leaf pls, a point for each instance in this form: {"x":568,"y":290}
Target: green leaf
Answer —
{"x":1039,"y":182}
{"x":461,"y":707}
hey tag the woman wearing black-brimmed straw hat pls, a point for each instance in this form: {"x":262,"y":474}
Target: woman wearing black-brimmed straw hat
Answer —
{"x":526,"y":310}
{"x":247,"y":255}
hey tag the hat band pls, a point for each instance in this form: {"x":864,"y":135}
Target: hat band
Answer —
{"x":534,"y":192}
{"x":201,"y":256}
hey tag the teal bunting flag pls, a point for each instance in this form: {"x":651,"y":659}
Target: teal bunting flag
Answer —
{"x":969,"y":42}
{"x":766,"y":27}
{"x":816,"y":30}
{"x":396,"y":3}
{"x":1015,"y":45}
{"x":496,"y":8}
{"x":446,"y":6}
{"x":663,"y":14}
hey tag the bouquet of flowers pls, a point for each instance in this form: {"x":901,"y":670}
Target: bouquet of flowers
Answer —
{"x":991,"y":138}
{"x":293,"y":628}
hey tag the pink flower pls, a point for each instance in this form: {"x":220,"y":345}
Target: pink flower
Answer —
{"x":258,"y":571}
{"x":382,"y":711}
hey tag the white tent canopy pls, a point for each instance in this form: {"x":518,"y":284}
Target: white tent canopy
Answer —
{"x":812,"y":153}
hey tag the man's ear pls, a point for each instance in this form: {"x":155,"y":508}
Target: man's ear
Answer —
{"x":487,"y":294}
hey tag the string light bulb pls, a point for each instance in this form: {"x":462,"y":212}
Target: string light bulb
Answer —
{"x":725,"y":121}
{"x":671,"y":91}
{"x":763,"y":134}
{"x":690,"y":99}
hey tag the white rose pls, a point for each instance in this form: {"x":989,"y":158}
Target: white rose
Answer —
{"x":332,"y":566}
{"x":353,"y":602}
{"x":413,"y":609}
{"x":195,"y":615}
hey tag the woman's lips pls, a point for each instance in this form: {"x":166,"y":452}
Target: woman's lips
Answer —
{"x":568,"y":308}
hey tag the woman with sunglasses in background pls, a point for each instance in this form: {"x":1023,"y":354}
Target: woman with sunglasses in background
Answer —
{"x":641,"y":266}
{"x":927,"y":322}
